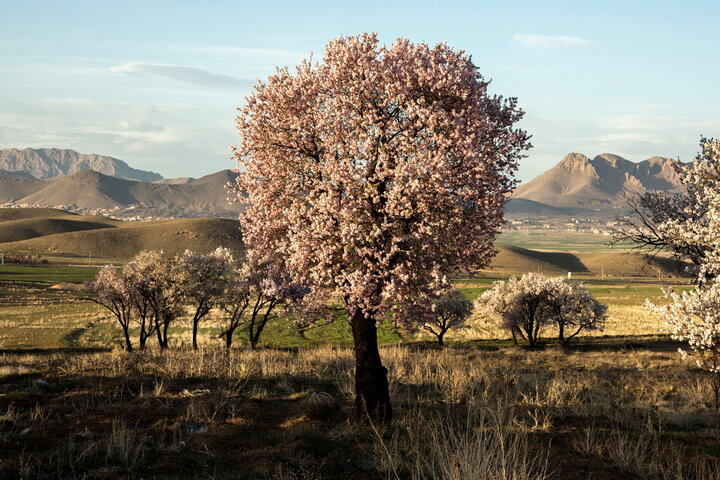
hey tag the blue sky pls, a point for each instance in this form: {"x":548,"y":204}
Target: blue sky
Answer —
{"x":156,"y":83}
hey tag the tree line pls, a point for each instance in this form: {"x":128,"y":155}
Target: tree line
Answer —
{"x":153,"y":290}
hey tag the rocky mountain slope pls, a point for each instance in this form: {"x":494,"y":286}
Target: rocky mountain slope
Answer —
{"x":47,"y":163}
{"x":579,"y":184}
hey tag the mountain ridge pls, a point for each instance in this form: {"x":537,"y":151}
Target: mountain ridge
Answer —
{"x":90,"y":190}
{"x":578,"y":183}
{"x":48,"y":163}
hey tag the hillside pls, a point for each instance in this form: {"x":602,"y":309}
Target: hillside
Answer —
{"x":54,"y":232}
{"x":46,"y":163}
{"x":18,"y":230}
{"x":90,"y":190}
{"x":519,"y":260}
{"x":580,"y":184}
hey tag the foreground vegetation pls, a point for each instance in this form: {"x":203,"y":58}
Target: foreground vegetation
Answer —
{"x":619,"y":404}
{"x":464,"y":412}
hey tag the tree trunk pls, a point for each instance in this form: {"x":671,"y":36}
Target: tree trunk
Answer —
{"x":143,"y":337}
{"x":372,"y":394}
{"x":561,"y":333}
{"x":159,"y":333}
{"x":441,"y":342}
{"x":228,"y":339}
{"x":195,"y":330}
{"x":128,"y":343}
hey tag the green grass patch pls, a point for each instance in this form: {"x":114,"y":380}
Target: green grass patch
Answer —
{"x":54,"y":274}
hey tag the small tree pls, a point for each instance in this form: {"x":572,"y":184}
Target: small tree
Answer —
{"x":140,"y":294}
{"x":235,"y":301}
{"x":112,"y":291}
{"x":527,"y":304}
{"x":203,"y":282}
{"x":375,"y":173}
{"x":449,"y":311}
{"x":271,"y":284}
{"x":576,"y":310}
{"x":157,"y":279}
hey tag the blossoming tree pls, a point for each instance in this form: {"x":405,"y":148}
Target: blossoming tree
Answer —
{"x":112,"y":291}
{"x":449,"y":311}
{"x":694,"y":316}
{"x":528,"y":304}
{"x":203,"y":279}
{"x":374,"y":173}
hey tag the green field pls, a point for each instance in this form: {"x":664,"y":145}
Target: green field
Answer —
{"x":41,"y":309}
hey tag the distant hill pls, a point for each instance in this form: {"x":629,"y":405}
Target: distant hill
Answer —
{"x":46,"y":231}
{"x":43,"y":231}
{"x":579,"y":184}
{"x":87,"y":189}
{"x":522,"y":260}
{"x":47,"y":163}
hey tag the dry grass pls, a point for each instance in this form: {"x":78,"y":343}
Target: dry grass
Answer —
{"x":511,"y":413}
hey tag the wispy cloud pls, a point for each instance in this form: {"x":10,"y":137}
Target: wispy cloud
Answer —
{"x":181,"y":73}
{"x":229,"y":50}
{"x":546,"y":41}
{"x":175,"y":139}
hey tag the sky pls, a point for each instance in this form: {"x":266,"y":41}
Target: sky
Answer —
{"x":157,"y":83}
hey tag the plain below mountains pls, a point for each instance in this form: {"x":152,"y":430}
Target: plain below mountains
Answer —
{"x":55,"y":233}
{"x":580,"y":185}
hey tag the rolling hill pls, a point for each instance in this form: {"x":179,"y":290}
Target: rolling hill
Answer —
{"x":46,"y":163}
{"x":517,"y":260}
{"x":57,"y":233}
{"x":52,"y":232}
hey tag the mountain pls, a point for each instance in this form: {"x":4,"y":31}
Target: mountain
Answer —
{"x":579,"y":184}
{"x":47,"y":163}
{"x":90,"y":190}
{"x":176,"y":181}
{"x":16,"y":174}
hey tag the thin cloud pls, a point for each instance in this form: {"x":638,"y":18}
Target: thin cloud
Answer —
{"x":239,"y":51}
{"x":546,"y":41}
{"x":181,"y":73}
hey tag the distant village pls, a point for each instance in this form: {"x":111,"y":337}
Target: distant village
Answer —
{"x":136,"y":213}
{"x":596,"y":226}
{"x":131,"y":213}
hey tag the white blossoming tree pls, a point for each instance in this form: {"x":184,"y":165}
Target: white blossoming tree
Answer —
{"x":528,"y":304}
{"x":204,"y":279}
{"x":449,"y":311}
{"x":694,"y":316}
{"x":112,"y":291}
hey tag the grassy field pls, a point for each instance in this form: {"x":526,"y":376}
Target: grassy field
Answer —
{"x":43,"y":307}
{"x":470,"y":411}
{"x":618,"y":404}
